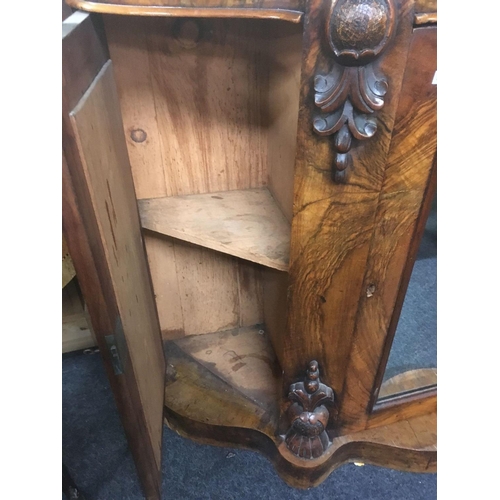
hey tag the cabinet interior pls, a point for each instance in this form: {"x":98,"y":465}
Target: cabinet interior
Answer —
{"x":210,"y":110}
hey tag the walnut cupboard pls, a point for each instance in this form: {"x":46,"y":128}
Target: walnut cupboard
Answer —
{"x":245,"y":185}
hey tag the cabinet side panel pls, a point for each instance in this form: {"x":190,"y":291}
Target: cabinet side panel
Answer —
{"x":250,"y":293}
{"x":161,"y":257}
{"x":274,"y":285}
{"x":208,"y":286}
{"x":97,"y":126}
{"x":285,"y":49}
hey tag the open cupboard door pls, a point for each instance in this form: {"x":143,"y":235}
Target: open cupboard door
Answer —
{"x":101,"y":225}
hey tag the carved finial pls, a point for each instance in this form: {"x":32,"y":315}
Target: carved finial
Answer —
{"x":312,"y":377}
{"x":307,"y":437}
{"x":357,"y":31}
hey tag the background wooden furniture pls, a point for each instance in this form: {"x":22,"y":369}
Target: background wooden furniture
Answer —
{"x":68,"y":269}
{"x":76,"y":332}
{"x":244,"y":190}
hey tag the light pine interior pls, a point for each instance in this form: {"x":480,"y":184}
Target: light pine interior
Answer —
{"x":245,"y":223}
{"x":209,"y":105}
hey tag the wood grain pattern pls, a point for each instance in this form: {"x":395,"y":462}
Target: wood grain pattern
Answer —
{"x":200,"y":291}
{"x":285,"y":10}
{"x":162,"y":264}
{"x":188,"y":383}
{"x":284,"y":52}
{"x":94,"y":279}
{"x":242,"y":357}
{"x":425,"y":6}
{"x":76,"y":334}
{"x":351,"y":93}
{"x":395,"y":445}
{"x":405,"y":188}
{"x":244,"y":223}
{"x":226,"y":139}
{"x":68,"y":269}
{"x":97,"y":125}
{"x":208,"y":286}
{"x":397,"y":408}
{"x":127,"y":41}
{"x":241,"y":4}
{"x":76,"y":331}
{"x":181,"y":115}
{"x":407,"y":382}
{"x":217,"y":292}
{"x":426,"y":18}
{"x":250,"y":291}
{"x":197,"y":125}
{"x":193,"y":99}
{"x":333,"y":224}
{"x":275,"y":286}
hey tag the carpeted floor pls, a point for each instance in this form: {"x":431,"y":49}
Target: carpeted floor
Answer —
{"x":95,"y":449}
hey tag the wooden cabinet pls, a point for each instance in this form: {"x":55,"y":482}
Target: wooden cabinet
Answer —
{"x":244,"y":188}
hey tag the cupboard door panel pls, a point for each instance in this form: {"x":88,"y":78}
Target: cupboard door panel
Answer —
{"x":405,"y":201}
{"x":102,"y":226}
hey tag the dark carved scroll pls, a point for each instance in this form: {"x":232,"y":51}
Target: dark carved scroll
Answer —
{"x":348,"y":96}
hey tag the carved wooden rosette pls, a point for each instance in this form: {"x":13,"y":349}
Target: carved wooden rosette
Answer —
{"x":348,"y":96}
{"x":307,"y":437}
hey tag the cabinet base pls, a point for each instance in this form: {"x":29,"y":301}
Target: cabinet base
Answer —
{"x":368,"y":447}
{"x":208,"y":401}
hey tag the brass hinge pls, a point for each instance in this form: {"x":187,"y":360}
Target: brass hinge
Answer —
{"x":117,"y":347}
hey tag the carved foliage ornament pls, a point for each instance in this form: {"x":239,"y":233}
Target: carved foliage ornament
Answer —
{"x":348,"y":96}
{"x":308,"y":414}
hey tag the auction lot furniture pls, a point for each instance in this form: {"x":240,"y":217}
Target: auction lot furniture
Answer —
{"x":245,"y":185}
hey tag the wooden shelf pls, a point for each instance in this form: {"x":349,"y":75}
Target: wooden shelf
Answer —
{"x":242,"y":358}
{"x":227,"y":379}
{"x":246,"y":224}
